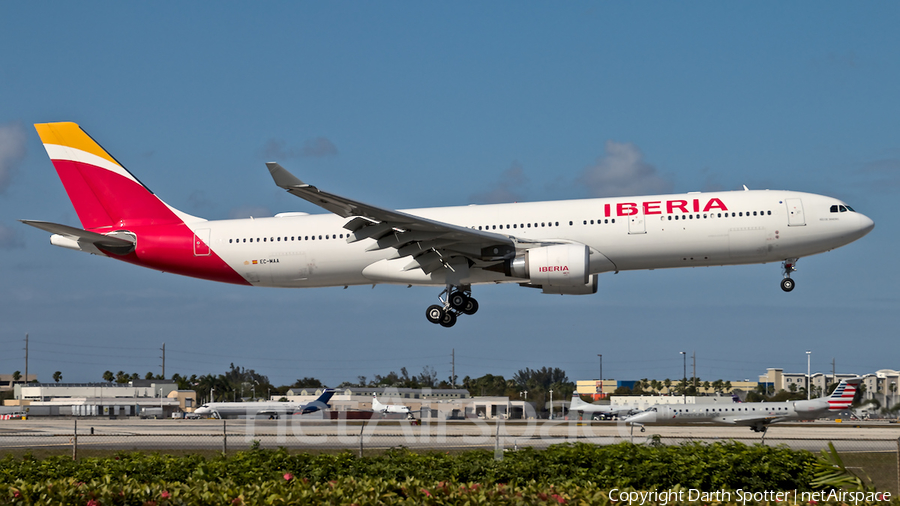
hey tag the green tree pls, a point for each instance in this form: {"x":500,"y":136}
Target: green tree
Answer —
{"x":148,"y":376}
{"x":668,"y":384}
{"x":57,"y":376}
{"x":109,"y":377}
{"x":181,"y":382}
{"x":727,"y":386}
{"x":623,"y":390}
{"x":17,"y":375}
{"x":307,"y":382}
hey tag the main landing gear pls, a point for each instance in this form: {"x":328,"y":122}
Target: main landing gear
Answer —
{"x":788,"y":266}
{"x":458,"y":302}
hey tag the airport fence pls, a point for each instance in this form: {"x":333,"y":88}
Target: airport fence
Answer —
{"x":876,"y":459}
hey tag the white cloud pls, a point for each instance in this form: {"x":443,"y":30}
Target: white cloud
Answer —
{"x":623,"y":171}
{"x":320,"y":146}
{"x":12,"y":151}
{"x":507,"y":189}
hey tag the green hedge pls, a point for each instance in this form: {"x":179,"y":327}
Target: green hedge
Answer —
{"x":724,"y":465}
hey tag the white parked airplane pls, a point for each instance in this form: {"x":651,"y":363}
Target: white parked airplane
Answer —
{"x":558,"y":247}
{"x":757,"y":415}
{"x":576,"y":404}
{"x":272,"y":409}
{"x":384,"y":409}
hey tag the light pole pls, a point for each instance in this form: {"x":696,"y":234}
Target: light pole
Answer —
{"x":601,"y":374}
{"x":808,"y":383}
{"x":551,"y":404}
{"x":684,"y":375}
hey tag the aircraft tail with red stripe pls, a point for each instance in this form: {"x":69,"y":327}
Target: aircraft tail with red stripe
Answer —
{"x":105,"y":194}
{"x":842,"y":397}
{"x":121,"y":217}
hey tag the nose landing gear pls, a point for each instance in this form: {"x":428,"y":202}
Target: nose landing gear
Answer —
{"x":458,"y":302}
{"x":788,"y":266}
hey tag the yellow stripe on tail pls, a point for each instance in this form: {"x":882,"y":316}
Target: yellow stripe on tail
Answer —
{"x":71,"y":135}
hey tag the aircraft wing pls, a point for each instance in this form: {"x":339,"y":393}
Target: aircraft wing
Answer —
{"x":430,"y":243}
{"x":81,"y":237}
{"x":758,"y":420}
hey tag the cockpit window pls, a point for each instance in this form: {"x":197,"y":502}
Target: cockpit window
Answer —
{"x":841,"y":209}
{"x":850,"y":209}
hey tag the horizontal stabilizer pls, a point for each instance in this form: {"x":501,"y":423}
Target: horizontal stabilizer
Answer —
{"x":81,"y":237}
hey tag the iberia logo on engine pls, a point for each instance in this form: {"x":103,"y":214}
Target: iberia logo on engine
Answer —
{"x":554,"y":268}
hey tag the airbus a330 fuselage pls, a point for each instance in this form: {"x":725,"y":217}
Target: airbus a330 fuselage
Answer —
{"x":559,"y":247}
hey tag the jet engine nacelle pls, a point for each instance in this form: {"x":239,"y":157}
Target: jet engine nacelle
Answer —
{"x":558,"y":269}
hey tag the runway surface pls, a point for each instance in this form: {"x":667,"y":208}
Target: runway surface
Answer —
{"x":299,"y":434}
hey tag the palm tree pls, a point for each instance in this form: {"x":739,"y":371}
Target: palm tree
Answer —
{"x":717,"y":385}
{"x":17,"y":375}
{"x":668,"y":384}
{"x":706,"y":387}
{"x":57,"y":376}
{"x":108,"y":376}
{"x":727,"y":386}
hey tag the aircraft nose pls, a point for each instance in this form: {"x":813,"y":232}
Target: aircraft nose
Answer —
{"x":645,"y":417}
{"x":865,"y":224}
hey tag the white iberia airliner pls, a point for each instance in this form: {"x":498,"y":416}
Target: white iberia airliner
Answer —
{"x":559,"y":247}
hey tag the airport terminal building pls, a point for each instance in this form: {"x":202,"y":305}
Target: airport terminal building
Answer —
{"x":157,"y":398}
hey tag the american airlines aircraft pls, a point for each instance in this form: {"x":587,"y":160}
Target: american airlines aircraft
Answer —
{"x":576,"y":404}
{"x":557,"y":247}
{"x":757,"y":415}
{"x":273,"y":409}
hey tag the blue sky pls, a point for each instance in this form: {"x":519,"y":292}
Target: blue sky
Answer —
{"x":409,"y":104}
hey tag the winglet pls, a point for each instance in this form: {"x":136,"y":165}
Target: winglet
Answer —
{"x":282,"y":177}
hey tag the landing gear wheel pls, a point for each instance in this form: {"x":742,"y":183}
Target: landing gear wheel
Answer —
{"x":471,"y":306}
{"x":434,"y":313}
{"x":787,"y":284}
{"x":458,"y":300}
{"x":449,"y":319}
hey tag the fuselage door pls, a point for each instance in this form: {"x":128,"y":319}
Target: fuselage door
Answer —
{"x":201,"y":242}
{"x":795,"y":213}
{"x":637,"y":224}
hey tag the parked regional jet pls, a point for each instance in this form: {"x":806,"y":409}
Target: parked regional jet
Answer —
{"x":757,"y":415}
{"x":576,"y":404}
{"x":384,"y":409}
{"x":273,"y":409}
{"x":558,"y":247}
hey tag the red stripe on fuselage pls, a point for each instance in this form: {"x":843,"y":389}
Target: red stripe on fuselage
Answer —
{"x":170,"y":248}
